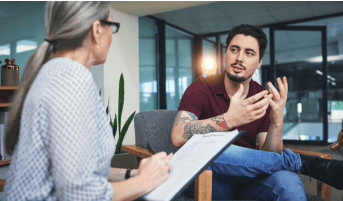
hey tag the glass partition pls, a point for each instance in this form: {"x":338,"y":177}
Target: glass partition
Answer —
{"x":147,"y":64}
{"x":334,"y":27}
{"x":294,"y":52}
{"x":179,"y":65}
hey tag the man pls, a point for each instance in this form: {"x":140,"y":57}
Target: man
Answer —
{"x":232,"y":100}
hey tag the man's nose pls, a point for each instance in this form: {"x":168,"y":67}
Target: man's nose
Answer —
{"x":240,"y":57}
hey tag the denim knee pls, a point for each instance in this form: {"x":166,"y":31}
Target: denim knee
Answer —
{"x":286,"y":185}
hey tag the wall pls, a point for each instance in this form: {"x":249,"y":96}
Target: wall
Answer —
{"x":98,"y":75}
{"x":123,"y":58}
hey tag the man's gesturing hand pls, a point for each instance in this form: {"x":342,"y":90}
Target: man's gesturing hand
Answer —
{"x":278,"y":101}
{"x":242,"y":111}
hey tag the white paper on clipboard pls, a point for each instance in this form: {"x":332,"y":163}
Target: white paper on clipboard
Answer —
{"x":189,"y":160}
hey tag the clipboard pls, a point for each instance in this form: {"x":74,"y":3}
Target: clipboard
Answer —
{"x":190,"y":160}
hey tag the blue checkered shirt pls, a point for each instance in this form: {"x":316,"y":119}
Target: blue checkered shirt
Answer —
{"x":65,"y":144}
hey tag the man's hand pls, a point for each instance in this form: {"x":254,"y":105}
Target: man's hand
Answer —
{"x":242,"y":111}
{"x":278,"y":101}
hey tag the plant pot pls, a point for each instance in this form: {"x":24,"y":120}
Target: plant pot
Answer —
{"x":124,"y":160}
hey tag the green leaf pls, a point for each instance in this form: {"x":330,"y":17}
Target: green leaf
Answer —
{"x":108,"y":105}
{"x":123,"y":131}
{"x":120,"y":100}
{"x":115,"y":126}
{"x":126,"y":125}
{"x":118,"y":148}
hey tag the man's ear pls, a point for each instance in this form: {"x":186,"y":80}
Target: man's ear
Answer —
{"x":96,"y":30}
{"x":259,"y":64}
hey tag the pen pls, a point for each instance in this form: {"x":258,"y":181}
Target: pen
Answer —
{"x":150,"y":148}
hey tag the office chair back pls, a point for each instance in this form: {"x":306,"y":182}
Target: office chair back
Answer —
{"x":155,"y":127}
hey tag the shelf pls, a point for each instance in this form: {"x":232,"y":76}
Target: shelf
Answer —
{"x":4,"y":105}
{"x":6,"y":93}
{"x":8,"y":88}
{"x":5,"y":162}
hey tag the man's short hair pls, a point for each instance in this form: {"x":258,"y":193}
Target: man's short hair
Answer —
{"x":249,"y":30}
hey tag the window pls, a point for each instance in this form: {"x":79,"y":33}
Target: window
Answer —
{"x":20,"y":35}
{"x":335,"y":72}
{"x":147,"y":64}
{"x":179,"y":65}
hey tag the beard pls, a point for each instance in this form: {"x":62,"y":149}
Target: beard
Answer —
{"x":237,"y":78}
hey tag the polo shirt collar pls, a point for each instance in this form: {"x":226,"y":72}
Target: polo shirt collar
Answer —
{"x":220,"y":86}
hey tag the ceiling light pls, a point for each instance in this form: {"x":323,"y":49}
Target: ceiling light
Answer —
{"x":300,"y":108}
{"x":319,"y":59}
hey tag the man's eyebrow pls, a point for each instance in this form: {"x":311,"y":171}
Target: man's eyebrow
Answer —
{"x":247,"y":49}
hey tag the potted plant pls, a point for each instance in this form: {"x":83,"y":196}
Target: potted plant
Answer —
{"x":121,"y":160}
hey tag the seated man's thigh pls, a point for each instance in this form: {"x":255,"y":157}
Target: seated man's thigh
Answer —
{"x":279,"y":186}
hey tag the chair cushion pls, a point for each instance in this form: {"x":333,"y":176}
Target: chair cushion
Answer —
{"x":149,"y":124}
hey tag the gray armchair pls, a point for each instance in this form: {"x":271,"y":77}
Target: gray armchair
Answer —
{"x":155,"y":127}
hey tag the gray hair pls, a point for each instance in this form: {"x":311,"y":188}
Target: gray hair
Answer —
{"x":67,"y":24}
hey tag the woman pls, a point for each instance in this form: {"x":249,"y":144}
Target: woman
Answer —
{"x":57,"y":130}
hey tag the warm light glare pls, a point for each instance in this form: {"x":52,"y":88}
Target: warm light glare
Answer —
{"x":209,"y":66}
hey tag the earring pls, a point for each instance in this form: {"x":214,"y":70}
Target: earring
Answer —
{"x":97,"y":47}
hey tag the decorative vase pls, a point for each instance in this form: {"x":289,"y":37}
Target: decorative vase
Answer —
{"x":9,"y":73}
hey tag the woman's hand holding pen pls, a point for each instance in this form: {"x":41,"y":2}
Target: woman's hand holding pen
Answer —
{"x":155,"y":169}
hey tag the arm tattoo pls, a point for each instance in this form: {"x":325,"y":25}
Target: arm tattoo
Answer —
{"x":193,"y":116}
{"x":220,"y":121}
{"x":180,"y":120}
{"x":196,"y":128}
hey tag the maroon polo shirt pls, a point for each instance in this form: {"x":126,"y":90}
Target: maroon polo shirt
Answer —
{"x":206,"y":97}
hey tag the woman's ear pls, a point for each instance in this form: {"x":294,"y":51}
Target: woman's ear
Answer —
{"x":96,"y":30}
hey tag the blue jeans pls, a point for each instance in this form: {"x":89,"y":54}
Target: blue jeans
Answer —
{"x":243,"y":173}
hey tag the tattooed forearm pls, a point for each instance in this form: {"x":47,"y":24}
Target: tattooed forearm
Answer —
{"x":196,"y":128}
{"x":220,"y":121}
{"x":180,"y":120}
{"x":193,"y":116}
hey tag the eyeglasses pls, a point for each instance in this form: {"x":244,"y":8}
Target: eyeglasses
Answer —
{"x":114,"y":25}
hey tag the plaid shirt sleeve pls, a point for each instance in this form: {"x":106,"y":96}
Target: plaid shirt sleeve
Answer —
{"x":74,"y":142}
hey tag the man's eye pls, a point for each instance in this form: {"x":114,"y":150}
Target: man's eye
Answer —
{"x":249,"y":53}
{"x":233,"y":50}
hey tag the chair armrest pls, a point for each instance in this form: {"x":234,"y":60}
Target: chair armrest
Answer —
{"x":137,"y":151}
{"x":311,"y":153}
